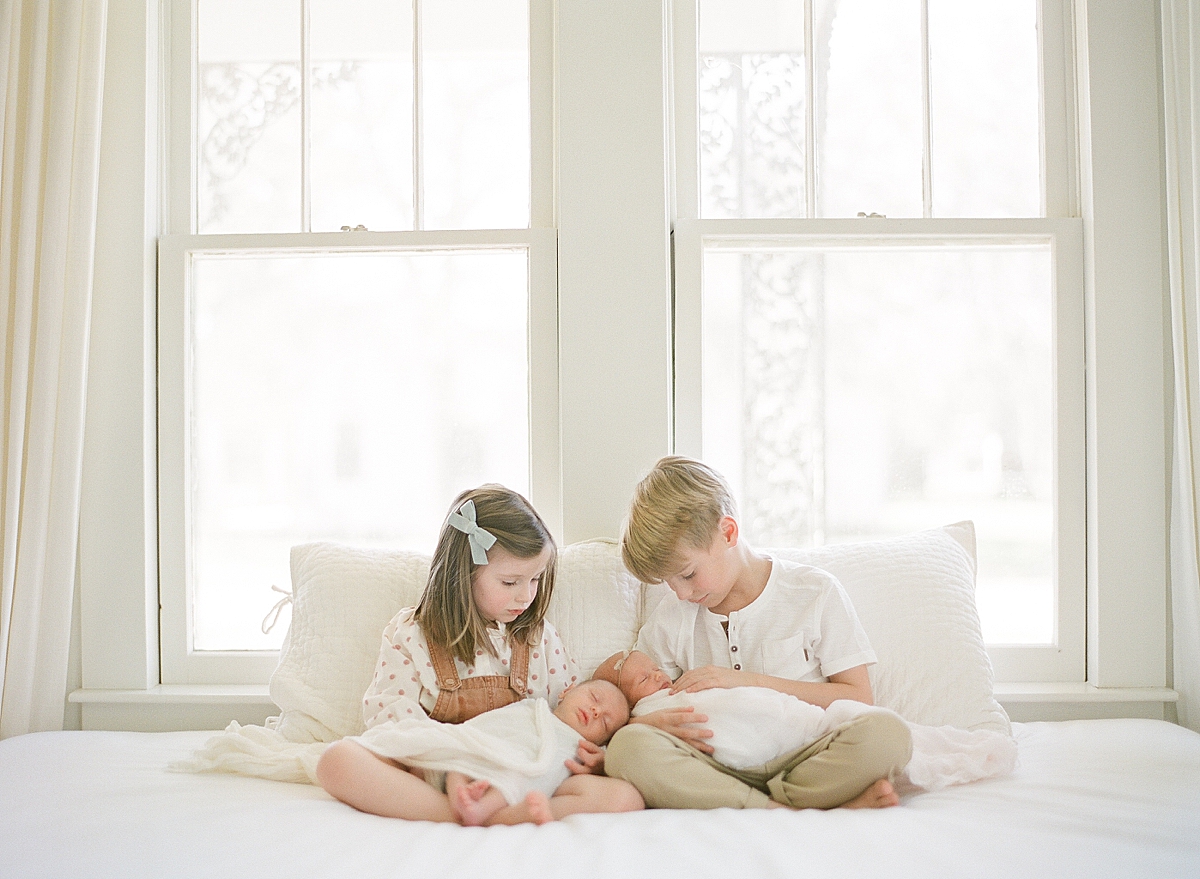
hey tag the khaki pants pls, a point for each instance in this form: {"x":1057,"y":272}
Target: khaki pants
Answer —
{"x":671,"y":774}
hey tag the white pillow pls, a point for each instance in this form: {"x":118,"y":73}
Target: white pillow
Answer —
{"x":915,"y":596}
{"x":597,"y":604}
{"x":342,"y":597}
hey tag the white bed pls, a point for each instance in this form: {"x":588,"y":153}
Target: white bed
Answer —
{"x":1097,"y":798}
{"x":1094,"y":798}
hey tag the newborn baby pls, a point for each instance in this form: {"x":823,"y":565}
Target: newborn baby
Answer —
{"x":518,"y":752}
{"x":753,"y":725}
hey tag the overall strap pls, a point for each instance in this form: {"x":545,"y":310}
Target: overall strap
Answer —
{"x":519,"y":672}
{"x":443,"y":667}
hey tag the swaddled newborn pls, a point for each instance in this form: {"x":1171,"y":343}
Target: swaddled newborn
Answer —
{"x":752,"y":726}
{"x":519,"y":748}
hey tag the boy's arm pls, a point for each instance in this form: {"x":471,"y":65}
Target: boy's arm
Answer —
{"x":658,"y":640}
{"x":683,"y":723}
{"x":853,"y":683}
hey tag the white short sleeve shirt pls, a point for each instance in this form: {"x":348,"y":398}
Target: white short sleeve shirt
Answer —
{"x":802,"y":627}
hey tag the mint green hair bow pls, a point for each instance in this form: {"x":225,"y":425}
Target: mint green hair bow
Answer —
{"x":479,"y":539}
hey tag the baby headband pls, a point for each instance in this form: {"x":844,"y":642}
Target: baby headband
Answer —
{"x":480,"y":540}
{"x":621,"y":662}
{"x":619,"y":666}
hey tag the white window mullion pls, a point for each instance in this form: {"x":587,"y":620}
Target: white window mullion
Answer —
{"x":545,"y":443}
{"x":1060,"y":150}
{"x":686,"y":196}
{"x":418,"y":151}
{"x":926,"y":118}
{"x":541,"y":112}
{"x":179,"y":107}
{"x":810,"y":114}
{"x":305,"y":119}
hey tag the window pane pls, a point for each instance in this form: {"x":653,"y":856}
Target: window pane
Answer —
{"x":475,"y":111}
{"x":360,"y":149}
{"x":856,"y":393}
{"x":248,"y":139}
{"x":344,"y":398}
{"x":985,"y":108}
{"x":752,"y":108}
{"x":869,"y":125}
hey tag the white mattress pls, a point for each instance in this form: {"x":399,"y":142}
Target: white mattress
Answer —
{"x":1094,"y":798}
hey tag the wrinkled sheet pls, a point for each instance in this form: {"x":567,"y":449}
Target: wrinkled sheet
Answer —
{"x":1096,"y":798}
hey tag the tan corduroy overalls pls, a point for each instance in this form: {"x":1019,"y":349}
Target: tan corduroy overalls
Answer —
{"x":460,"y":700}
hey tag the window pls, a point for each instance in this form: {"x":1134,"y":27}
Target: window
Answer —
{"x":879,"y":288}
{"x":358,"y":276}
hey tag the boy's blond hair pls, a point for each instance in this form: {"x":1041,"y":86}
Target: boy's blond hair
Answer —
{"x":680,"y":501}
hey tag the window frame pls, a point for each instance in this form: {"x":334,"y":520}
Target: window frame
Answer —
{"x":179,"y":662}
{"x":1065,"y":659}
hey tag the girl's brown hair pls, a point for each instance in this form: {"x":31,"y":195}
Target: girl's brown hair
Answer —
{"x":446,"y":612}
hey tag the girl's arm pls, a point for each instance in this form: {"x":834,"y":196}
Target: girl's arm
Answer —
{"x":554,"y":667}
{"x":397,"y":687}
{"x":853,"y":683}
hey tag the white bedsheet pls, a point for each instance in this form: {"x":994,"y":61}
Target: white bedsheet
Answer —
{"x":1106,"y":798}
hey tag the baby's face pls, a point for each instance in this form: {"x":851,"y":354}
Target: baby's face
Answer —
{"x":594,"y":709}
{"x":640,"y":677}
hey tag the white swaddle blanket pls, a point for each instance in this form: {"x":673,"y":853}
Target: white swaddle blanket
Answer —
{"x":752,"y":726}
{"x":518,"y":748}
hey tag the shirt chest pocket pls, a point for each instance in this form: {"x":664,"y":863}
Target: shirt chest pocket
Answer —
{"x":792,"y":658}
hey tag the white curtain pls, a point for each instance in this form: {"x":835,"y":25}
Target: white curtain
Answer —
{"x":1181,"y":85}
{"x":51,"y":72}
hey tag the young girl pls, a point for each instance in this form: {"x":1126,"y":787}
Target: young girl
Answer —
{"x":477,"y":640}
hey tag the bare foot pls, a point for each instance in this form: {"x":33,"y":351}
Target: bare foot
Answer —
{"x":469,"y":804}
{"x":880,"y":795}
{"x":539,"y":807}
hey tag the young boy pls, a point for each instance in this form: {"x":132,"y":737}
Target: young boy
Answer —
{"x":741,"y":618}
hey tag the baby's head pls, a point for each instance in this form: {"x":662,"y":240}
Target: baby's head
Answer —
{"x":595,"y":709}
{"x":634,"y":673}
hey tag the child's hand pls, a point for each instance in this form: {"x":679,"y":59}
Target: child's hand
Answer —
{"x":710,"y":677}
{"x":683,"y":723}
{"x":588,"y":760}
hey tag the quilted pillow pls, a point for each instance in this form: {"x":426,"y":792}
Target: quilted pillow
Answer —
{"x":915,"y":596}
{"x":342,"y":598}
